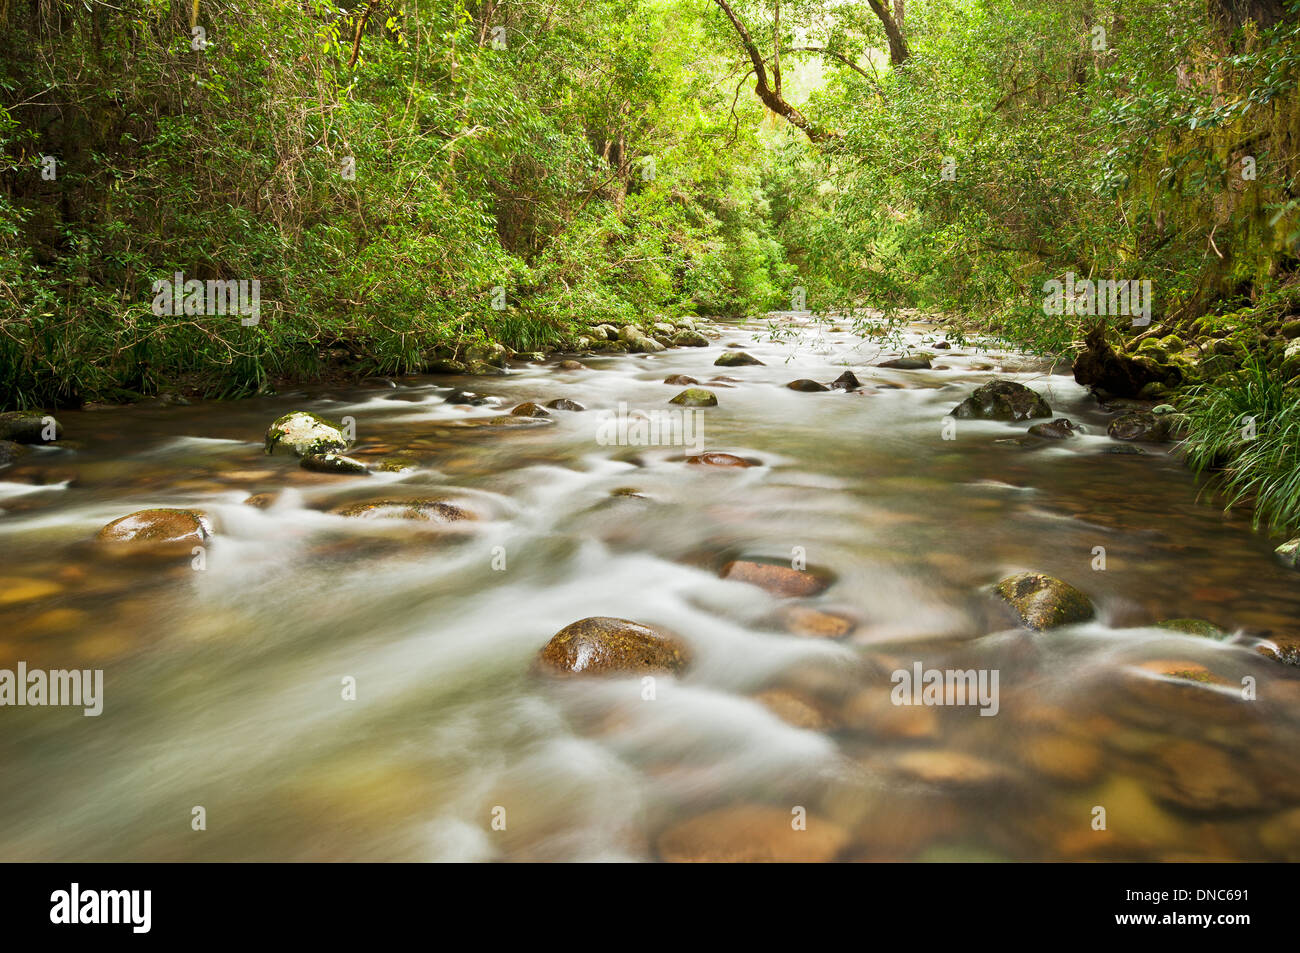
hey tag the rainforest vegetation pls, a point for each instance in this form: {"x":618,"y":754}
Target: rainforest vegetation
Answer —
{"x":423,"y":182}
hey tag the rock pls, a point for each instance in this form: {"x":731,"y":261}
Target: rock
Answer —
{"x":695,"y":397}
{"x":465,"y":397}
{"x":17,"y":589}
{"x":333,"y":463}
{"x":158,"y":528}
{"x":948,"y":768}
{"x":814,"y":623}
{"x":751,"y":833}
{"x":794,"y":709}
{"x":943,"y":346}
{"x":1058,"y":429}
{"x":638,"y":341}
{"x":563,"y":403}
{"x":483,"y":369}
{"x":907,"y":363}
{"x":1061,"y":758}
{"x":735,"y":359}
{"x":1194,"y":627}
{"x":1287,"y":552}
{"x":572,"y":366}
{"x":1126,"y":450}
{"x":846,"y":381}
{"x":303,"y":433}
{"x":601,"y":645}
{"x":872,"y":710}
{"x":714,"y":459}
{"x":11,"y":451}
{"x":1199,"y":777}
{"x":776,"y":579}
{"x":1044,"y":602}
{"x":1142,"y":426}
{"x":490,"y":353}
{"x":1002,"y":400}
{"x":23,"y":427}
{"x":1104,"y":369}
{"x":444,"y":366}
{"x":806,"y":386}
{"x":432,"y":511}
{"x":528,"y":409}
{"x":689,"y":339}
{"x":606,"y":331}
{"x":681,"y":380}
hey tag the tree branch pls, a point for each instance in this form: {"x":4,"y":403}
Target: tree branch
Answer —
{"x":771,"y":98}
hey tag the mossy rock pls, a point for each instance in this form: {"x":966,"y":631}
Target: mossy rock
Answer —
{"x":303,"y":433}
{"x":1194,"y":627}
{"x":11,"y":451}
{"x":1291,"y":329}
{"x":1002,"y":400}
{"x":696,"y":397}
{"x":430,"y":511}
{"x":22,"y":426}
{"x":1043,"y":601}
{"x":736,"y":359}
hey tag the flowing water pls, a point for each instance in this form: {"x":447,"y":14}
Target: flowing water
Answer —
{"x":224,"y":687}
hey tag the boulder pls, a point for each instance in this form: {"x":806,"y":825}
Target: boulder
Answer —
{"x":602,"y":645}
{"x":563,"y":403}
{"x":1058,"y":429}
{"x":695,"y":397}
{"x":158,"y":529}
{"x":303,"y":433}
{"x":1044,"y":602}
{"x":333,"y":463}
{"x":714,"y":459}
{"x":735,"y":359}
{"x":1142,"y":426}
{"x":528,"y":409}
{"x":24,"y":427}
{"x":1002,"y":400}
{"x":907,"y":363}
{"x":1112,"y":372}
{"x":432,"y":511}
{"x":846,"y":381}
{"x":806,"y":386}
{"x":689,"y":339}
{"x":11,"y":451}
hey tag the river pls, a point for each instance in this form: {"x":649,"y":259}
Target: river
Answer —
{"x":227,"y":687}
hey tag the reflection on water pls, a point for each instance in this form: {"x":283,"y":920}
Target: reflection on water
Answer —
{"x":225,"y":687}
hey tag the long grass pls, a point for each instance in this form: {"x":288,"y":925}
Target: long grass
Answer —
{"x":1244,"y":429}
